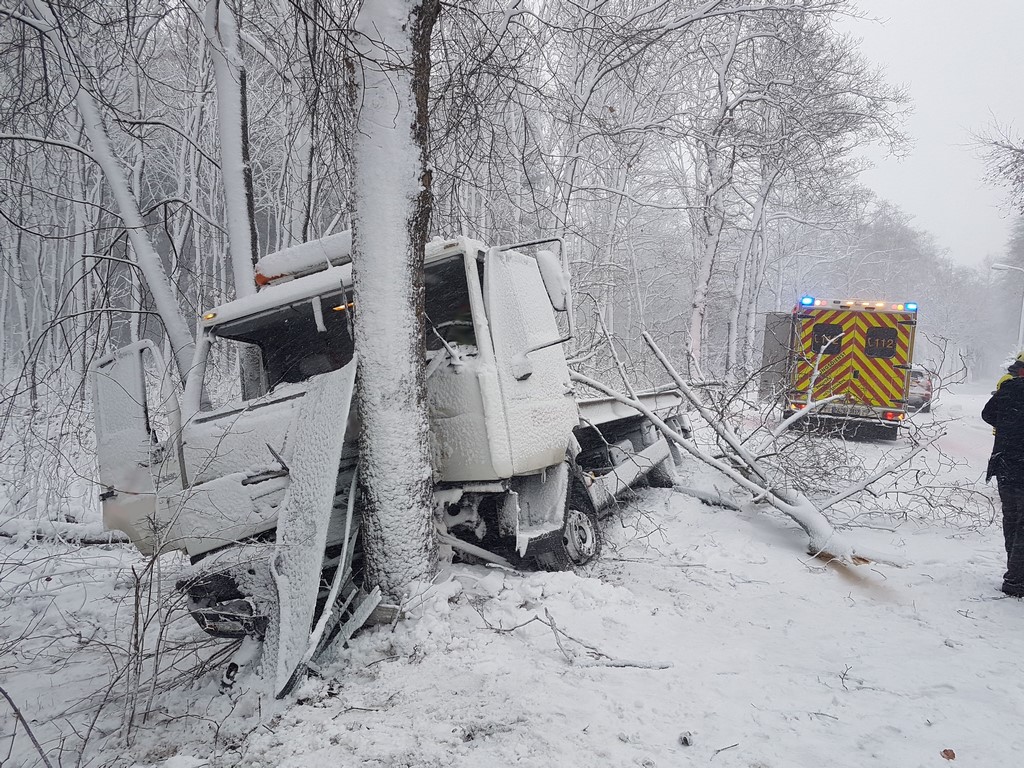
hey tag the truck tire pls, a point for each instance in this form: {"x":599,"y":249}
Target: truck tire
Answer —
{"x":582,"y":536}
{"x":580,"y":544}
{"x":556,"y":559}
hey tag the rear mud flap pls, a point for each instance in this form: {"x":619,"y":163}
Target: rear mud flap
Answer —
{"x":541,"y":509}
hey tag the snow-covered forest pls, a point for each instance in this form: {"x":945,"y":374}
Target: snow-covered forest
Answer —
{"x":701,"y":161}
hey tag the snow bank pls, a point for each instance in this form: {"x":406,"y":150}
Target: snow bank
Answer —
{"x":778,"y":659}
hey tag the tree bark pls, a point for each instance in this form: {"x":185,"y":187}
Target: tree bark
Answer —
{"x":232,"y":131}
{"x":235,"y":169}
{"x":392,"y":210}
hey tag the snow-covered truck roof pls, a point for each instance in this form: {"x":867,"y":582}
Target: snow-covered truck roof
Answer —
{"x":312,"y":269}
{"x":333,"y":251}
{"x":280,"y":295}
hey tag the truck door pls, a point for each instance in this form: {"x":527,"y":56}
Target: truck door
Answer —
{"x":540,"y":409}
{"x":133,"y":460}
{"x":825,"y":338}
{"x":882,"y":358}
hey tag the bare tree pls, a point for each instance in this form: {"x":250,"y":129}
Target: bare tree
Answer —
{"x":73,"y":68}
{"x":1003,"y":151}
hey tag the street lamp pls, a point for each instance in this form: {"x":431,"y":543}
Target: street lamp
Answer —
{"x":1020,"y":327}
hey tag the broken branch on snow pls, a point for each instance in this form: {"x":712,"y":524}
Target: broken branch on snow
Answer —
{"x":823,"y":539}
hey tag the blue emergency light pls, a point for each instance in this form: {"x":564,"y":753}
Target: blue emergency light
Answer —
{"x":808,"y":301}
{"x":911,"y":306}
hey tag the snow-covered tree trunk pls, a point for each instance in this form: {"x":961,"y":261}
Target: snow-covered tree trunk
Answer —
{"x":746,"y":274}
{"x":392,"y":209}
{"x":296,"y":183}
{"x":236,"y":175}
{"x":146,"y":256}
{"x":235,"y":169}
{"x":709,"y":238}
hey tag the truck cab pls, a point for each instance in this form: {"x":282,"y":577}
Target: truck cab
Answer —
{"x":500,"y":401}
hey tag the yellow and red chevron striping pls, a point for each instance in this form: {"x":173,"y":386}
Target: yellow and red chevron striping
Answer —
{"x":875,"y":380}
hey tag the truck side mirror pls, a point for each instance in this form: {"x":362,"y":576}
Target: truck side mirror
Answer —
{"x":556,"y":280}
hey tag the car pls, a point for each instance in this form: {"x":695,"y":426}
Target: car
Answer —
{"x":919,"y":395}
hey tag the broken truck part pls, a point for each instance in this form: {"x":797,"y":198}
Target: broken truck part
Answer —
{"x":522,"y":467}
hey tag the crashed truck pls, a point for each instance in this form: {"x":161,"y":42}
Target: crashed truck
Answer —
{"x":522,"y":466}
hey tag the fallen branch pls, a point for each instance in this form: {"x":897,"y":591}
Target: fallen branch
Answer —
{"x":68,"y":533}
{"x":600,"y":659}
{"x":28,"y":730}
{"x":796,"y":416}
{"x":823,"y":539}
{"x":871,"y":479}
{"x":713,"y":499}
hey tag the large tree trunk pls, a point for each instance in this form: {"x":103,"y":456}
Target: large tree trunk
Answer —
{"x":392,"y":210}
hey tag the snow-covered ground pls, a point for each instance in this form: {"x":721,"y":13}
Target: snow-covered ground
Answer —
{"x":697,"y":622}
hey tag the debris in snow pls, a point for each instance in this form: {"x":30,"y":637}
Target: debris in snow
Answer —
{"x":686,"y":739}
{"x":596,"y":658}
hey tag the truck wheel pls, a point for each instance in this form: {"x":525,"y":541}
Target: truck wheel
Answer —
{"x":581,"y":536}
{"x":580,"y":544}
{"x":555,"y":560}
{"x":926,"y":408}
{"x":889,"y":433}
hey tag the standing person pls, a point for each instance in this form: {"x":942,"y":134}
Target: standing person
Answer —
{"x":1005,"y":412}
{"x":1011,"y":371}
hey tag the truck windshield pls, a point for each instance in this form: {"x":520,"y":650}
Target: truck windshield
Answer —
{"x":446,"y":302}
{"x":291,"y":347}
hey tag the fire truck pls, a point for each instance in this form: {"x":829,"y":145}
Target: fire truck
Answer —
{"x":858,"y":352}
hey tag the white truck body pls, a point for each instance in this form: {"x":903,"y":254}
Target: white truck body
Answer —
{"x":512,"y":448}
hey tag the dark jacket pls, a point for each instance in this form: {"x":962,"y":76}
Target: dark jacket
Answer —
{"x":1005,"y":412}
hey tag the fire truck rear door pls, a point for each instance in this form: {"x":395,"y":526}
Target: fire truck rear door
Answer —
{"x":824,"y":338}
{"x":884,"y":341}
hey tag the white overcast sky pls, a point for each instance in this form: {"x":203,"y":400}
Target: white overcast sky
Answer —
{"x":963,"y":64}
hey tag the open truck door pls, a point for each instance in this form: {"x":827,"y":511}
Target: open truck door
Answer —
{"x":135,"y":462}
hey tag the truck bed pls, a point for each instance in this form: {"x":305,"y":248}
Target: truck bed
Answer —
{"x":601,"y":410}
